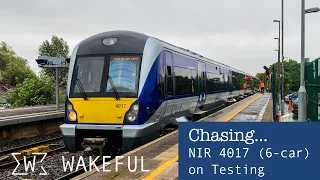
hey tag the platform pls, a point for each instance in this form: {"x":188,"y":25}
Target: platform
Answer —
{"x":160,"y":156}
{"x":29,"y":114}
{"x":27,"y":110}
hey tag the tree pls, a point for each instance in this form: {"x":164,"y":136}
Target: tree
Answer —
{"x":5,"y":48}
{"x":4,"y":59}
{"x":291,"y":81}
{"x":58,"y":47}
{"x":16,"y":71}
{"x":13,"y":68}
{"x":261,"y":76}
{"x":6,"y":52}
{"x":33,"y":91}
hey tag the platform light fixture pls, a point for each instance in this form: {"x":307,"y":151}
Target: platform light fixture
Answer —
{"x":312,"y":10}
{"x":278,"y":38}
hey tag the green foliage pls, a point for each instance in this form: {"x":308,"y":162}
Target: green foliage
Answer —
{"x":13,"y":68}
{"x":6,"y":53}
{"x":62,"y":97}
{"x":5,"y":48}
{"x":291,"y":76}
{"x":4,"y":59}
{"x":261,"y":76}
{"x":16,"y":71}
{"x":56,"y":48}
{"x":33,"y":91}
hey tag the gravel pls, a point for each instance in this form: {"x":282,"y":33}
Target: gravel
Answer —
{"x":25,"y":141}
{"x":53,"y":165}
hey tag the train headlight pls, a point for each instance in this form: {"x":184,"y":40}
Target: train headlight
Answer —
{"x":135,"y":107}
{"x":132,"y":116}
{"x":71,"y":113}
{"x":72,"y":116}
{"x":109,"y":41}
{"x":70,"y":108}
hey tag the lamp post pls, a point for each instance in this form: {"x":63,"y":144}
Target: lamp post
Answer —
{"x":282,"y":69}
{"x":278,"y":38}
{"x":302,"y":94}
{"x":284,"y":59}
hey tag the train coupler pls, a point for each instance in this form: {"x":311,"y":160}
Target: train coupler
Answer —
{"x":94,"y":145}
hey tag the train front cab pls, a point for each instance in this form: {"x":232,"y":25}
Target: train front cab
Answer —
{"x":97,"y":111}
{"x":102,"y":98}
{"x":104,"y":112}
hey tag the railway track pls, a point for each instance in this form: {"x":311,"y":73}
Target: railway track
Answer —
{"x":7,"y":160}
{"x":17,"y":149}
{"x":29,"y":158}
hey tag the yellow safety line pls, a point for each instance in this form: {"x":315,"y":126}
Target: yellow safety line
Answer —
{"x":164,"y":166}
{"x":161,"y":168}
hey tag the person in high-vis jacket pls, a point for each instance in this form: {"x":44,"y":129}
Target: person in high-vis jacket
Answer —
{"x":262,"y":87}
{"x":245,"y":86}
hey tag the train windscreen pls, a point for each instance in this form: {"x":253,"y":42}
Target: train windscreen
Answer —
{"x":88,"y":74}
{"x":93,"y":76}
{"x":124,"y":71}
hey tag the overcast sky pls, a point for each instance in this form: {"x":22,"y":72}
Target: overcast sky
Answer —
{"x":235,"y":32}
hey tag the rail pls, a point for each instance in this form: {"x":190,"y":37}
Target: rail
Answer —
{"x":12,"y":163}
{"x":29,"y":145}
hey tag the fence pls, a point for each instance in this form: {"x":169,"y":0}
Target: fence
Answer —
{"x":313,"y":90}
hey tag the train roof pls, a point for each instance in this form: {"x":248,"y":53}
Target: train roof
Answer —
{"x":94,"y":44}
{"x":199,"y":56}
{"x":140,"y":39}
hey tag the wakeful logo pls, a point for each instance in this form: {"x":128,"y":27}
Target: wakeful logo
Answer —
{"x":29,"y":164}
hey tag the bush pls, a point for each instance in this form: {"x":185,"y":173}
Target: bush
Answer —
{"x":33,"y":91}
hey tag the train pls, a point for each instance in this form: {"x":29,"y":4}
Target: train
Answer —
{"x":125,"y":88}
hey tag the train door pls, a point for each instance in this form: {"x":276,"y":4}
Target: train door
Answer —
{"x":169,"y":86}
{"x":177,"y":101}
{"x":201,"y":84}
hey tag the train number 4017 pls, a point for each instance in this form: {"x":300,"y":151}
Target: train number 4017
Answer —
{"x":120,"y":105}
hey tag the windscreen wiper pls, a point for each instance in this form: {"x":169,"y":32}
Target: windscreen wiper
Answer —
{"x":83,"y":92}
{"x":114,"y":88}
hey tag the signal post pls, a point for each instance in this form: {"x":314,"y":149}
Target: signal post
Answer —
{"x":54,"y":62}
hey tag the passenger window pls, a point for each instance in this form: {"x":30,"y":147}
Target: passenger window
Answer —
{"x":169,"y":71}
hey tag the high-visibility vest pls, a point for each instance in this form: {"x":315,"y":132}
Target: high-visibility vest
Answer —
{"x":262,"y":85}
{"x":245,"y":86}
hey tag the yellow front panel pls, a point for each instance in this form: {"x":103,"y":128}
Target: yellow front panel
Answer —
{"x":101,"y":110}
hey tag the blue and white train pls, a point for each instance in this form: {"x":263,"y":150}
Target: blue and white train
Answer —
{"x":126,"y":87}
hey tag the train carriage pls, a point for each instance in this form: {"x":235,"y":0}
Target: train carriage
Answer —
{"x":126,"y":87}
